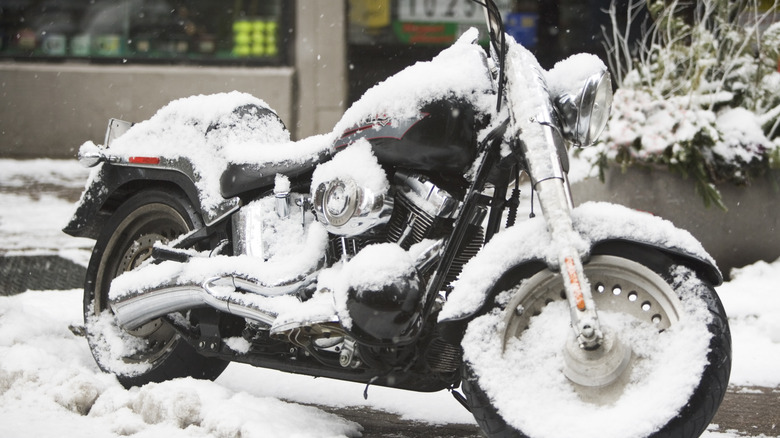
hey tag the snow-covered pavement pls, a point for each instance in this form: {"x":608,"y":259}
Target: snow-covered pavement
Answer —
{"x":50,"y":386}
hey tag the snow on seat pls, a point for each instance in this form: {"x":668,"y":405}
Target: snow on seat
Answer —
{"x":233,"y":134}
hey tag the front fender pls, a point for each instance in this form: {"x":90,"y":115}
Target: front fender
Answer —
{"x":528,"y":246}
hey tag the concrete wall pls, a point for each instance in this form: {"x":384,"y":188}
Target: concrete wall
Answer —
{"x":321,"y":62}
{"x":749,"y":231}
{"x":50,"y":109}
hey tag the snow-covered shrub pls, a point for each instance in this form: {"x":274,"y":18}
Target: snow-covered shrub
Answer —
{"x":699,"y":93}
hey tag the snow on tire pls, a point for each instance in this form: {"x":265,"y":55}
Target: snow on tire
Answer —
{"x":153,"y":352}
{"x":677,"y":356}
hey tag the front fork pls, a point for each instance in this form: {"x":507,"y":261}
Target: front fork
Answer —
{"x":555,"y":200}
{"x":552,"y":186}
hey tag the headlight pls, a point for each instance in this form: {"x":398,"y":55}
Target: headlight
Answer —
{"x":585,"y":114}
{"x":347,"y":209}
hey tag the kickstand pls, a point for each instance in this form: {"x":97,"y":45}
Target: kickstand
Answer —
{"x":460,"y":398}
{"x":365,"y":391}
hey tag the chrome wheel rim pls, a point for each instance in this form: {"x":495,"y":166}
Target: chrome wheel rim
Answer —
{"x":618,"y":285}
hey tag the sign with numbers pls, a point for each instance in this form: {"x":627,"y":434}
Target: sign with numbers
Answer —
{"x":449,"y":11}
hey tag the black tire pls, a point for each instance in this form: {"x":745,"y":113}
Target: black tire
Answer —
{"x":695,"y":415}
{"x":153,"y":352}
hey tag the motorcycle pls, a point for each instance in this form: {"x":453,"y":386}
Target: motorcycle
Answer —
{"x":388,"y":252}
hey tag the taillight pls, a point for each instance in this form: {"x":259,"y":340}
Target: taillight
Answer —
{"x":144,"y":160}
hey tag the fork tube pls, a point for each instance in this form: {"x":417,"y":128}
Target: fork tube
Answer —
{"x":531,"y":113}
{"x":567,"y":244}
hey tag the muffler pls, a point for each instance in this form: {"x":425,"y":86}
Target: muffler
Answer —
{"x":232,"y":295}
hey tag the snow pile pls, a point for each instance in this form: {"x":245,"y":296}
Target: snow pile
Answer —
{"x":49,"y":386}
{"x":357,"y":163}
{"x":205,"y":130}
{"x":33,"y":195}
{"x":752,"y":303}
{"x":370,"y":270}
{"x":41,"y":174}
{"x":570,"y":74}
{"x":528,"y":387}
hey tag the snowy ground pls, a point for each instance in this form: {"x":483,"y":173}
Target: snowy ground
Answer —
{"x":49,"y":385}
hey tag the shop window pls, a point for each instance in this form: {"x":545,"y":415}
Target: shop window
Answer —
{"x":384,"y":36}
{"x":194,"y":31}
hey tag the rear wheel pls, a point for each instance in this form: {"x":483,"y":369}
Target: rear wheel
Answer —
{"x":153,"y":352}
{"x":664,"y":374}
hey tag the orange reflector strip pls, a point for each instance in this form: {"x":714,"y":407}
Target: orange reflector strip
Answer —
{"x":574,"y":280}
{"x":144,"y":160}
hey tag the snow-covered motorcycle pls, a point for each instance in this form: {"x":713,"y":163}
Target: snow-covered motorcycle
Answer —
{"x":388,"y":252}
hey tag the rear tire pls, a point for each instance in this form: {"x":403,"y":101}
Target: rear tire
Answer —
{"x":153,"y":352}
{"x":702,"y":404}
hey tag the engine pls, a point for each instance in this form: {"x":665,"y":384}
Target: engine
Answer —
{"x":388,"y":312}
{"x":421,"y":210}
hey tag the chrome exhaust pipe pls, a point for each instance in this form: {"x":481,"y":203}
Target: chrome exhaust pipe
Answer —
{"x":134,"y":310}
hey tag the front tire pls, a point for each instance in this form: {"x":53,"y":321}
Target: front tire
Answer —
{"x":649,"y":291}
{"x":153,"y":352}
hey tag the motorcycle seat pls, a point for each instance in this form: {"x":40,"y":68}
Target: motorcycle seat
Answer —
{"x":240,"y":178}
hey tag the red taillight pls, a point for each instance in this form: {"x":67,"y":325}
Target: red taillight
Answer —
{"x":144,"y":160}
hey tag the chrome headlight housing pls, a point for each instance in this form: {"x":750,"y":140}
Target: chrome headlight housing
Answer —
{"x":347,"y":209}
{"x":584,"y":115}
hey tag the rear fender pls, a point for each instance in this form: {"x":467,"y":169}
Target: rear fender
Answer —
{"x":111,"y":184}
{"x":525,"y":249}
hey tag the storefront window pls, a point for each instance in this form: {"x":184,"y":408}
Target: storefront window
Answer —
{"x":384,"y":36}
{"x":197,"y":31}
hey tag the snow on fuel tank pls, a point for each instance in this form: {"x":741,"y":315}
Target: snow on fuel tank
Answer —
{"x":427,"y":116}
{"x":441,"y":138}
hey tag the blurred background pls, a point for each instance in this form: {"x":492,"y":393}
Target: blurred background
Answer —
{"x":66,"y":66}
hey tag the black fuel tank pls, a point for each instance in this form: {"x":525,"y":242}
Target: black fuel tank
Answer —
{"x":441,"y":139}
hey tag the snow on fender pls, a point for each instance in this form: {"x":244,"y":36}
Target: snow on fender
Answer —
{"x":530,"y":240}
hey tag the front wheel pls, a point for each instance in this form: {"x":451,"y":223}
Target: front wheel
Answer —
{"x":665,"y":376}
{"x":153,"y":352}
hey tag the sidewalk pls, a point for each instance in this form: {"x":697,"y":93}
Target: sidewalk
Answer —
{"x":37,"y":198}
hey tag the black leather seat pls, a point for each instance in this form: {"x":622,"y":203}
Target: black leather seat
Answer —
{"x":241,"y":178}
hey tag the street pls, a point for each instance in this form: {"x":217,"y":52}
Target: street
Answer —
{"x":750,"y":412}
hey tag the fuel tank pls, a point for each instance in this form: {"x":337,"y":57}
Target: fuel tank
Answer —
{"x":442,"y":138}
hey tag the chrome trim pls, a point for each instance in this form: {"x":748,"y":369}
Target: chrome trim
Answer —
{"x":115,"y":129}
{"x":248,"y":224}
{"x":429,"y":256}
{"x":282,"y":204}
{"x":362,"y":208}
{"x":438,"y":202}
{"x":577,"y":111}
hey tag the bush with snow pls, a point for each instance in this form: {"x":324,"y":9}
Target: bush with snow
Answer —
{"x":699,"y":95}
